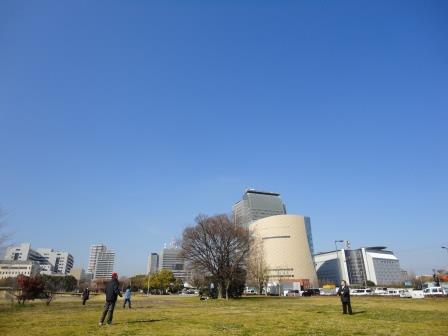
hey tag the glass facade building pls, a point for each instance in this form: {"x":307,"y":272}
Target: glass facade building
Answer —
{"x":171,"y":259}
{"x":358,"y":266}
{"x":256,"y":205}
{"x":153,"y":263}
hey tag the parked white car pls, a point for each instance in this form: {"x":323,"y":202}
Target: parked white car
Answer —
{"x":417,"y":294}
{"x":393,"y":292}
{"x":328,"y":291}
{"x":380,"y":291}
{"x":361,"y":291}
{"x":405,"y":293}
{"x":433,"y":291}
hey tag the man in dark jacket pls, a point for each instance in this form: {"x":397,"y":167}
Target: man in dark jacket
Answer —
{"x":112,"y":292}
{"x":85,"y":296}
{"x":344,"y":293}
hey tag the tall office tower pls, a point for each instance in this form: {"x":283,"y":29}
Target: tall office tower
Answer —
{"x":104,"y":265}
{"x":153,"y":264}
{"x":94,"y":251}
{"x":61,"y":262}
{"x":256,"y":205}
{"x":170,"y":259}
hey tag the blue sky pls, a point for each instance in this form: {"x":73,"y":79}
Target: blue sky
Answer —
{"x":121,"y":121}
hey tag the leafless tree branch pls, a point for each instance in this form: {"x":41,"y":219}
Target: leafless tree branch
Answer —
{"x":216,"y":246}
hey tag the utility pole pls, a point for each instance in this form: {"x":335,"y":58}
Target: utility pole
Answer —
{"x":445,"y":248}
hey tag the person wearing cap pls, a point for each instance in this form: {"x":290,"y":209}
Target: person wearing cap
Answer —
{"x":112,"y":292}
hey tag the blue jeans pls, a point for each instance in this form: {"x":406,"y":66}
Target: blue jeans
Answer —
{"x":128,"y":301}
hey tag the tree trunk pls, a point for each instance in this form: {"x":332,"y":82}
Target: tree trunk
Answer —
{"x":227,"y":289}
{"x":220,"y":290}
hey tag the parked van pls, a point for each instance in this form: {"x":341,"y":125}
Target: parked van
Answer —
{"x":436,"y":291}
{"x":361,"y":291}
{"x":417,"y":294}
{"x":393,"y":292}
{"x":380,"y":291}
{"x":405,"y":293}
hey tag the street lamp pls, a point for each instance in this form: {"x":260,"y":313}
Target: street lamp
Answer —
{"x":446,"y":248}
{"x":335,"y":243}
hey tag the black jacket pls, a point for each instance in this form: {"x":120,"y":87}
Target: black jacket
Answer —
{"x":344,"y":293}
{"x":112,"y":291}
{"x":86,"y":294}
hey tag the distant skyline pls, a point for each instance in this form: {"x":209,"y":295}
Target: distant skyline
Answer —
{"x":121,"y":122}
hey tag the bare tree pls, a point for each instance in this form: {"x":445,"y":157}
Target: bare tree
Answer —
{"x":218,"y":247}
{"x":257,"y":270}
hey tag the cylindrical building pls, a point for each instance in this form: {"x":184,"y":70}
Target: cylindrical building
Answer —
{"x":286,"y":249}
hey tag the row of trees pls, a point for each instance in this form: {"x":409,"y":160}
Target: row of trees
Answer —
{"x":161,"y":282}
{"x":39,"y":287}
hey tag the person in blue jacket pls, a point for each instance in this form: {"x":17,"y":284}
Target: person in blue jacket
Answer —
{"x":127,"y":297}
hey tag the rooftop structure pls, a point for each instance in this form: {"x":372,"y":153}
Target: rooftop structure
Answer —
{"x":256,"y":205}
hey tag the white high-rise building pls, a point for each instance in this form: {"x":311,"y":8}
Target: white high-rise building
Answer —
{"x":94,"y":251}
{"x":60,"y":261}
{"x":23,"y":252}
{"x":104,"y":265}
{"x":101,"y":262}
{"x":49,"y":260}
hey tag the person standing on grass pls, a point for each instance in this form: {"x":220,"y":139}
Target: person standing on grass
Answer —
{"x":344,"y":293}
{"x":112,"y":292}
{"x":127,"y":297}
{"x":85,"y":295}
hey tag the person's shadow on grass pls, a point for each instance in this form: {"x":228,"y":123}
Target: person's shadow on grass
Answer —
{"x":358,"y":312}
{"x":141,"y":321}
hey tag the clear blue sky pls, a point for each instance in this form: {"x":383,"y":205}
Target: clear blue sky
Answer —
{"x":121,"y":121}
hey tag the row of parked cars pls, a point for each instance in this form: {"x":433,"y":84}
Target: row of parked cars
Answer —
{"x":380,"y":291}
{"x":306,"y":292}
{"x":401,"y":292}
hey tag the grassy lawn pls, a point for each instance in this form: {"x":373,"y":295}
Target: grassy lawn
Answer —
{"x":171,"y":315}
